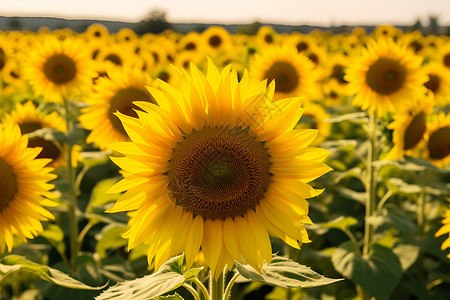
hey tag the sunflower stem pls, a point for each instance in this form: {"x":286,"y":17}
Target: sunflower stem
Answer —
{"x":216,"y":287}
{"x":192,"y":290}
{"x":370,"y":191}
{"x":72,"y":194}
{"x":421,"y":219}
{"x":202,"y":288}
{"x":230,"y":286}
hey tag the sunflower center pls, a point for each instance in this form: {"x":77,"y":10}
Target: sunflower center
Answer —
{"x":190,"y":46}
{"x":114,"y":58}
{"x":338,"y":73}
{"x":446,"y":60}
{"x":414,"y":132}
{"x":285,"y":76}
{"x":219,"y":172}
{"x":439,"y":143}
{"x":2,"y":58}
{"x":164,"y":76}
{"x":27,"y":127}
{"x":268,"y":39}
{"x":386,"y":76}
{"x":60,"y":69}
{"x":215,"y":41}
{"x":123,"y":102}
{"x":433,"y":83}
{"x":302,"y":46}
{"x":416,"y":45}
{"x":8,"y":184}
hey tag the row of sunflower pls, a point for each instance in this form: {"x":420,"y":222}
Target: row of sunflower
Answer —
{"x":217,"y":138}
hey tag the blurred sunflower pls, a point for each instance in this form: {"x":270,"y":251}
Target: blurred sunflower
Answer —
{"x":58,"y":69}
{"x":445,"y":229}
{"x":30,"y":118}
{"x":438,"y":82}
{"x":314,"y":117}
{"x":292,"y":72}
{"x":215,"y":39}
{"x":24,"y":188}
{"x":385,"y":76}
{"x":216,"y":167}
{"x":114,"y":92}
{"x":438,"y":139}
{"x":97,"y":33}
{"x":409,"y":126}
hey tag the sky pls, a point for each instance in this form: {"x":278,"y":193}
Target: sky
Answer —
{"x":295,"y":12}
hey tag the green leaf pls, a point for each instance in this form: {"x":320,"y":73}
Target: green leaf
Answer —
{"x":169,"y":297}
{"x":392,"y":216}
{"x":398,"y":185}
{"x":54,"y":234}
{"x":16,"y":262}
{"x":94,"y":158}
{"x":168,"y":278}
{"x":357,"y":117}
{"x":99,"y":196}
{"x":284,"y":272}
{"x":410,"y":163}
{"x":378,"y":274}
{"x":341,"y":223}
{"x":354,"y":172}
{"x":407,"y":254}
{"x":351,"y":194}
{"x":110,"y":238}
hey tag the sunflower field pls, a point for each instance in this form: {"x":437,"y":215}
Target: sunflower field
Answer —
{"x":214,"y":166}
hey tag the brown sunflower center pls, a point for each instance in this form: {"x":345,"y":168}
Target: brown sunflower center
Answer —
{"x":215,"y":41}
{"x":433,"y":83}
{"x":8,"y":184}
{"x":285,"y":76}
{"x":414,"y":132}
{"x":338,"y":73}
{"x":190,"y":46}
{"x":27,"y":127}
{"x":302,"y":46}
{"x":219,"y":172}
{"x":416,"y":46}
{"x":60,"y":69}
{"x":164,"y":76}
{"x":114,"y":58}
{"x":49,"y":148}
{"x":2,"y":58}
{"x":314,"y":58}
{"x":386,"y":76}
{"x":439,"y":143}
{"x":123,"y":102}
{"x":446,"y":60}
{"x":268,"y":38}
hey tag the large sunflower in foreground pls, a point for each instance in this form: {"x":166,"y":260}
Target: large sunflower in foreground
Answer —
{"x":292,"y":72}
{"x":58,"y":69}
{"x":215,"y":168}
{"x":385,"y":76}
{"x":114,"y":92}
{"x":24,"y":188}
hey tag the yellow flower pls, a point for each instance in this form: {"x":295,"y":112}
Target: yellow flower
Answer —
{"x":292,"y":72}
{"x":24,"y":188}
{"x":438,"y":82}
{"x":58,"y":69}
{"x":385,"y":76}
{"x":315,"y":117}
{"x":216,"y":166}
{"x":114,"y":92}
{"x":445,"y":229}
{"x":409,"y":126}
{"x":437,"y":148}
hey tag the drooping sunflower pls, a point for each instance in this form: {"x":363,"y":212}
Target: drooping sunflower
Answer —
{"x":114,"y":92}
{"x":29,"y":119}
{"x":437,"y":149}
{"x":58,"y":69}
{"x":24,"y":188}
{"x":445,"y":229}
{"x":215,"y":167}
{"x":292,"y":72}
{"x":409,"y":126}
{"x":385,"y":76}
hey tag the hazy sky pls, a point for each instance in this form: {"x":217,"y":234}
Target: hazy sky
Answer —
{"x":315,"y":12}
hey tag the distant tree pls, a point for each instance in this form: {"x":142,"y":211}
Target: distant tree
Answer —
{"x":433,"y":26}
{"x":14,"y":24}
{"x":250,"y":29}
{"x":416,"y":26}
{"x":154,"y":23}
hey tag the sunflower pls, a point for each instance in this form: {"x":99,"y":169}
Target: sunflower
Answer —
{"x":97,"y":33}
{"x":409,"y":126}
{"x":445,"y":229}
{"x":216,"y":167}
{"x":29,"y":118}
{"x":385,"y":76}
{"x":314,"y":117}
{"x":437,"y":148}
{"x":114,"y":92}
{"x":215,"y":39}
{"x":24,"y":188}
{"x":292,"y":72}
{"x":58,"y":69}
{"x":438,"y":82}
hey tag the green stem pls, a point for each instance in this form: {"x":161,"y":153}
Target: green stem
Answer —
{"x":421,"y":220}
{"x":370,"y":186}
{"x":230,"y":286}
{"x":72,"y":194}
{"x":216,"y":286}
{"x":192,"y":290}
{"x":202,"y":288}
